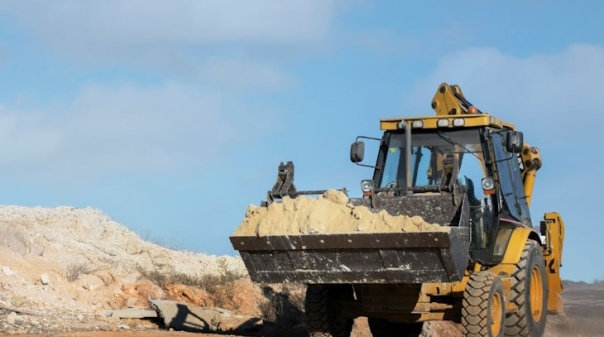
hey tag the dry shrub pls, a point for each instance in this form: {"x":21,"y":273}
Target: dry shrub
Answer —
{"x":196,"y":289}
{"x":15,"y":239}
{"x":207,"y":281}
{"x":241,"y":296}
{"x":74,"y":271}
{"x":285,"y":307}
{"x":106,"y":277}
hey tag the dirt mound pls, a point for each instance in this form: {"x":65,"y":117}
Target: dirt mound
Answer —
{"x":68,"y":237}
{"x":329,"y":213}
{"x":78,"y":263}
{"x":240,"y":296}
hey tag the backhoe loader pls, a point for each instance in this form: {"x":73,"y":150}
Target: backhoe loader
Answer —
{"x":493,"y":271}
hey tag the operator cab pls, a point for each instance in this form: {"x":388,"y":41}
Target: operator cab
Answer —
{"x":476,"y":164}
{"x":431,"y":153}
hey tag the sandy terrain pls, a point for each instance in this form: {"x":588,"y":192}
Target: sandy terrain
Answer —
{"x":329,"y":213}
{"x":63,"y":269}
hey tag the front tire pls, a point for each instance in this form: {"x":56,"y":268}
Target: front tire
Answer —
{"x":323,"y":318}
{"x":529,"y":293}
{"x":483,"y":306}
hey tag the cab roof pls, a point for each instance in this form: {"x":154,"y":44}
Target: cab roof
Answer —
{"x":447,"y":122}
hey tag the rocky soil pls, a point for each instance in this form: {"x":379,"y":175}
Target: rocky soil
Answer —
{"x":62,"y":268}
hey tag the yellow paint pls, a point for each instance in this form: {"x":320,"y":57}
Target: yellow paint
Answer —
{"x":443,"y":289}
{"x":430,"y":122}
{"x":513,"y":253}
{"x":554,"y":237}
{"x":536,"y":292}
{"x":460,"y":287}
{"x":496,"y":314}
{"x":531,"y":161}
{"x":503,"y":269}
{"x":448,"y":106}
{"x":445,"y":103}
{"x":529,"y":183}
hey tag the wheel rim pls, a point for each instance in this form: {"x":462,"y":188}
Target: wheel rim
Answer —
{"x":496,"y":314}
{"x":536,"y":295}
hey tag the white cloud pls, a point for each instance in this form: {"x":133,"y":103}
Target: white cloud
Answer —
{"x":112,"y":27}
{"x":205,"y":53}
{"x":238,"y":74}
{"x":231,"y":43}
{"x":552,"y":96}
{"x":126,"y":129}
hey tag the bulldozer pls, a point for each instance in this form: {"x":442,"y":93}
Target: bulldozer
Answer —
{"x":492,"y":270}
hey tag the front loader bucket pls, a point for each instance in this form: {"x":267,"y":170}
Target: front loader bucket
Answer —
{"x":357,"y":258}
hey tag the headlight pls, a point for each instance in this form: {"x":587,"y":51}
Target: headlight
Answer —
{"x":459,"y":122}
{"x":401,"y":124}
{"x":417,"y":124}
{"x":488,"y":186}
{"x":488,"y":183}
{"x":367,"y":187}
{"x":442,"y":123}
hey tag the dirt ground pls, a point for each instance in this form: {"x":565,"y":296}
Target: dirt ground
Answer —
{"x":128,"y":334}
{"x":359,"y":330}
{"x":557,"y":327}
{"x":62,"y":270}
{"x":584,"y":306}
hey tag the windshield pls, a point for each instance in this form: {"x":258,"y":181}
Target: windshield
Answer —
{"x":428,"y":155}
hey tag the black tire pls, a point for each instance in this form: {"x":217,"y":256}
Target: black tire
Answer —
{"x":383,"y":328}
{"x":529,"y":293}
{"x":322,"y":315}
{"x":483,"y":306}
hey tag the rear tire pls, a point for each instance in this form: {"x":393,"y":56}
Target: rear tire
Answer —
{"x":383,"y":328}
{"x":483,"y":306}
{"x":323,"y":318}
{"x":529,"y":293}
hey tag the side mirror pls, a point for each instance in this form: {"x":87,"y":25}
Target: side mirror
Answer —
{"x":357,"y":152}
{"x":514,"y":141}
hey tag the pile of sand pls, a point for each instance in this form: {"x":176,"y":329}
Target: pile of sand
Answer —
{"x":67,"y":236}
{"x":328,"y":214}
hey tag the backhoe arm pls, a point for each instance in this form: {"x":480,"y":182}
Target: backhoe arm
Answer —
{"x":531,"y":161}
{"x":450,"y":100}
{"x":553,"y":228}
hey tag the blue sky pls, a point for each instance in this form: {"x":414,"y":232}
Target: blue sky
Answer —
{"x":172,"y":116}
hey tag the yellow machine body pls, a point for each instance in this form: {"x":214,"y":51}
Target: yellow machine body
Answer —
{"x":384,"y":276}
